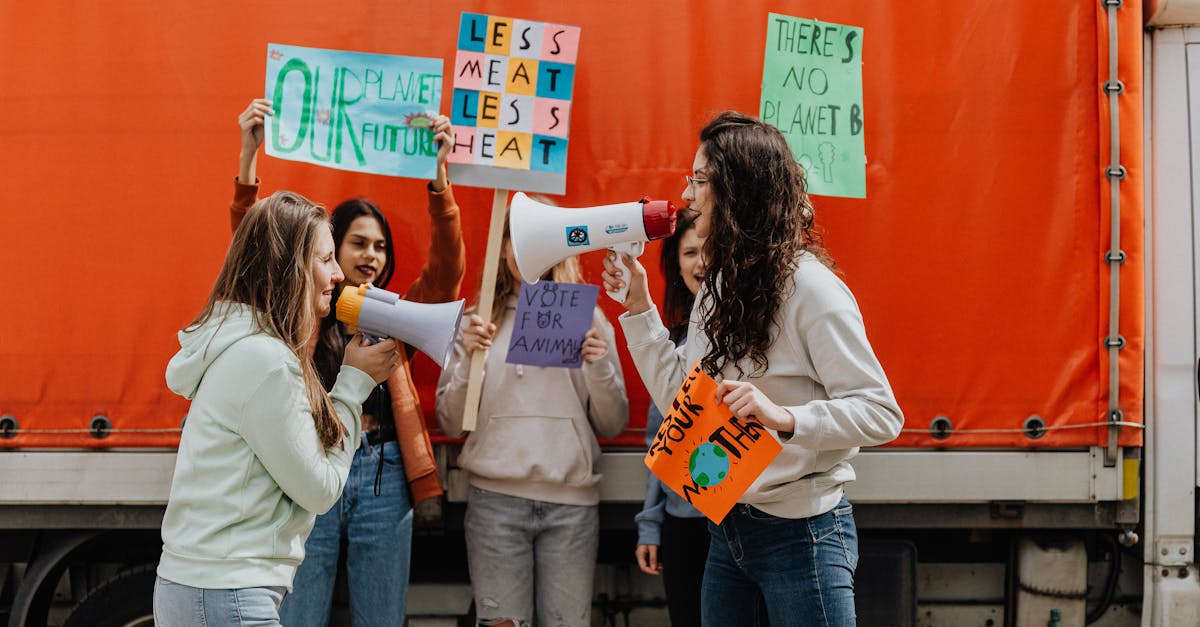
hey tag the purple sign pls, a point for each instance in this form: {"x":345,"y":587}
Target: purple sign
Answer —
{"x":552,"y":320}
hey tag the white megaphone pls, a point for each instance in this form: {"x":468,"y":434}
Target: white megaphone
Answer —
{"x":378,"y":313}
{"x":543,"y":235}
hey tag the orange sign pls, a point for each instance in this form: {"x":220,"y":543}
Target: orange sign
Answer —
{"x":705,"y":453}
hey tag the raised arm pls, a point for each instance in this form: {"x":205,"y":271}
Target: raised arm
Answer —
{"x":245,"y":186}
{"x":442,"y":274}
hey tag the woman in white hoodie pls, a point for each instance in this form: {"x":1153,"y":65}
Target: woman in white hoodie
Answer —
{"x":784,"y":337}
{"x":264,"y":448}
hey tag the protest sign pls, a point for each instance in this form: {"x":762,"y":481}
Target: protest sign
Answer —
{"x":353,"y":111}
{"x":551,"y":322}
{"x":511,"y":108}
{"x":812,"y":91}
{"x":706,"y":454}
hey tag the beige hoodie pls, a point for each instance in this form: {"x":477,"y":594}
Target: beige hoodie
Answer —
{"x":536,"y":430}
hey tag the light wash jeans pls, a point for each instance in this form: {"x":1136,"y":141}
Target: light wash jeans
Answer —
{"x":524,"y":554}
{"x":378,"y":534}
{"x":177,"y":605}
{"x":763,"y":570}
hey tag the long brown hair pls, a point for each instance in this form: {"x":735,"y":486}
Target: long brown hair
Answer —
{"x":269,"y":268}
{"x":761,"y":222}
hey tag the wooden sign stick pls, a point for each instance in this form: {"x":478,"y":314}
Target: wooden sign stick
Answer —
{"x":487,"y":293}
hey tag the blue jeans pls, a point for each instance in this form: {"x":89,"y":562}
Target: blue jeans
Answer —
{"x":177,"y":605}
{"x":524,"y":554}
{"x":378,"y":534}
{"x":763,"y":570}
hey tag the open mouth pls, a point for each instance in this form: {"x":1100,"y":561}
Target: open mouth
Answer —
{"x":367,"y":271}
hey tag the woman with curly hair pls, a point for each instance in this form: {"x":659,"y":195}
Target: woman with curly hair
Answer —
{"x":784,"y":337}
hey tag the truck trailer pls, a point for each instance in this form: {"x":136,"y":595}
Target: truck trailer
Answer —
{"x":1025,"y":258}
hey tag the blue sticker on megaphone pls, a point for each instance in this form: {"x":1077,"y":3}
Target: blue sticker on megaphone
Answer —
{"x":577,"y":235}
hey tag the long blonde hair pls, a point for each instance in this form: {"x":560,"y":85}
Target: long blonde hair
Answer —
{"x":566,"y":271}
{"x":269,"y":268}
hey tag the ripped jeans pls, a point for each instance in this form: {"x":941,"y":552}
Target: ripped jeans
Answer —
{"x":526,"y":554}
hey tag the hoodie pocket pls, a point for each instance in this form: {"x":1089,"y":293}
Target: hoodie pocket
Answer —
{"x":534,"y":448}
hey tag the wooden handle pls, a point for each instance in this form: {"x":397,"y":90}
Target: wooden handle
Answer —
{"x":487,"y":293}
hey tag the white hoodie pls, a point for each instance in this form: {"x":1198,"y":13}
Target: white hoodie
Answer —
{"x":251,"y":472}
{"x":820,"y":368}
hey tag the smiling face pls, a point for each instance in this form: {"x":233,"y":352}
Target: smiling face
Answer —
{"x":325,"y":273}
{"x":697,"y":194}
{"x":363,"y":252}
{"x":691,"y":260}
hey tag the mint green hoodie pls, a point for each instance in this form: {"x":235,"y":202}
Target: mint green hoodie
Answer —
{"x":251,"y":473}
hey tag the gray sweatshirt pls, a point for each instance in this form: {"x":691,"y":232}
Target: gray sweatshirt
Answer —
{"x":820,"y":368}
{"x":535,"y":433}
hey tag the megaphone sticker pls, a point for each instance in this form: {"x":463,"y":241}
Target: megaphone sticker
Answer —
{"x":577,"y":235}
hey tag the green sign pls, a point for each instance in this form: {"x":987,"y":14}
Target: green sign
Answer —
{"x":812,"y":91}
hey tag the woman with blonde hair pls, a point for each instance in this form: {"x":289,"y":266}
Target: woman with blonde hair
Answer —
{"x":532,"y":523}
{"x":264,"y":448}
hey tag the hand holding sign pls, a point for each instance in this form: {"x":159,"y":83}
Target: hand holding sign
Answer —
{"x":706,"y":454}
{"x":477,"y":335}
{"x":748,"y":402}
{"x":594,"y":346}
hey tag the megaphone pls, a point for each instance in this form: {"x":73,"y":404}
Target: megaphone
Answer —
{"x":378,"y":313}
{"x":543,"y":235}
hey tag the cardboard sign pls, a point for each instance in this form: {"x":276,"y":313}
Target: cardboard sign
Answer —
{"x":353,"y":111}
{"x":511,"y":109}
{"x":551,"y":322}
{"x":812,"y":91}
{"x":706,"y":454}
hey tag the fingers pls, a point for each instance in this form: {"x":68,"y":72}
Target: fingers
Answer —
{"x":647,"y":559}
{"x":612,"y":275}
{"x":258,"y":109}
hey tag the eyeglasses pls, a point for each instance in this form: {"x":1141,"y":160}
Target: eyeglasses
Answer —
{"x":693,"y":181}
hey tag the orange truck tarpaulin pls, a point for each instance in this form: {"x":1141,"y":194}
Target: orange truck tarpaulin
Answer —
{"x":976,"y":257}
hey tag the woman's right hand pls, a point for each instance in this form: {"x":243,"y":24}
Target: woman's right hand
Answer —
{"x":377,"y":360}
{"x":477,"y":334}
{"x":638,"y":298}
{"x":253,"y":131}
{"x":647,"y":559}
{"x":251,"y":123}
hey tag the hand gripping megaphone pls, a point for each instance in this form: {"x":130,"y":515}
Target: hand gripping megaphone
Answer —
{"x":378,"y":313}
{"x":543,"y":235}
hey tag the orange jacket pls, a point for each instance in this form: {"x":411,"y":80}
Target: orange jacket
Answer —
{"x":438,"y":282}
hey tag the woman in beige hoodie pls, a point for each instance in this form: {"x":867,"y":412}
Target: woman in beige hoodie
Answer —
{"x":532,"y":512}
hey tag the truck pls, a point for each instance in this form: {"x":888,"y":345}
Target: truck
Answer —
{"x":1025,"y":258}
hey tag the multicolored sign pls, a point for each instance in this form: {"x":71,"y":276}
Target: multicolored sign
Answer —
{"x":551,"y":322}
{"x":513,"y":81}
{"x":353,"y":111}
{"x":812,"y":91}
{"x":706,"y":454}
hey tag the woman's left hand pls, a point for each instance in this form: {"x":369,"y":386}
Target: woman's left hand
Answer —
{"x":748,"y":402}
{"x":443,"y":136}
{"x":594,"y":346}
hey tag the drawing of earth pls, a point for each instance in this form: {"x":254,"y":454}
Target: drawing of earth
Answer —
{"x":709,"y":464}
